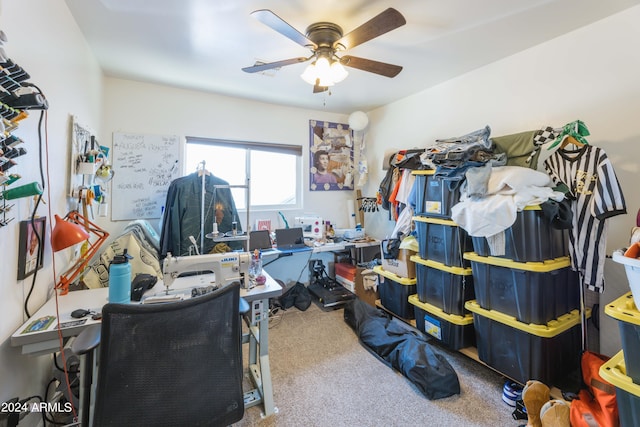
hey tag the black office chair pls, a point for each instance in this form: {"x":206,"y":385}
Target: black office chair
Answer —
{"x":168,"y":364}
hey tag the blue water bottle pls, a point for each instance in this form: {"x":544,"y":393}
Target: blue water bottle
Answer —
{"x":120,"y":279}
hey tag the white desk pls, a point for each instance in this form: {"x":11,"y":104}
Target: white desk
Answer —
{"x":47,"y":341}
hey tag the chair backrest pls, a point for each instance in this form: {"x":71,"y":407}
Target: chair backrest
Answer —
{"x":171,"y":364}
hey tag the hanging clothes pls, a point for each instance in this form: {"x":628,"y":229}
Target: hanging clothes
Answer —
{"x":597,"y":196}
{"x":183,"y":213}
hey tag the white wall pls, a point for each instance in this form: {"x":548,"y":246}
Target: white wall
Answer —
{"x":152,"y":109}
{"x":45,"y":41}
{"x":590,"y":74}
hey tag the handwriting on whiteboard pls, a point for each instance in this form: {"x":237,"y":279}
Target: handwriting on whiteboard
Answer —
{"x":144,"y":167}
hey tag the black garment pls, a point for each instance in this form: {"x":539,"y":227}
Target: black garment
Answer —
{"x":182,"y":214}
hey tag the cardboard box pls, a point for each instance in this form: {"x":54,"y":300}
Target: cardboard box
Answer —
{"x":369,"y":296}
{"x":401,"y":266}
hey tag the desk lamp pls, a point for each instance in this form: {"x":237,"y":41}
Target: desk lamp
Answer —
{"x":71,"y":230}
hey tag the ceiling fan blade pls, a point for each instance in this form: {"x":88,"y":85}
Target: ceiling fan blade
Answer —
{"x":386,"y":21}
{"x":271,"y":65}
{"x":272,"y":20}
{"x":382,"y":68}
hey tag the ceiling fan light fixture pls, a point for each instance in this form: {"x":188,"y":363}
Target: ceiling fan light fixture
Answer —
{"x":324,"y":72}
{"x":338,"y":72}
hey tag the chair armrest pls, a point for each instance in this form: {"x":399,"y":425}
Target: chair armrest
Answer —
{"x":244,"y":306}
{"x":88,"y":339}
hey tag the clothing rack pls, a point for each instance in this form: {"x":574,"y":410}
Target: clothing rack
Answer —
{"x":203,"y":172}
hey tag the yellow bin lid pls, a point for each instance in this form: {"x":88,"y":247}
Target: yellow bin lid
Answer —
{"x":389,"y":275}
{"x":624,"y":309}
{"x":538,"y":267}
{"x":460,"y":271}
{"x":549,"y":330}
{"x":432,"y":309}
{"x":614,"y":371}
{"x":430,"y":220}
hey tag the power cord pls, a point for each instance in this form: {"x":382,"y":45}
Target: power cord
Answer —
{"x":46,"y":393}
{"x":14,"y":417}
{"x":40,"y":252}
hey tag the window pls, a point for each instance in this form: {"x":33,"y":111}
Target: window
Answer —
{"x":275,"y":170}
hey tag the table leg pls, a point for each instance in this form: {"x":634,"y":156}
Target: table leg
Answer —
{"x":259,"y":367}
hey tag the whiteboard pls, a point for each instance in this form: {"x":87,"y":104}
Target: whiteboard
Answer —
{"x":144,"y":166}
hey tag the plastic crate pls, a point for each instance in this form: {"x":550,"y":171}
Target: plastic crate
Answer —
{"x":447,"y":288}
{"x":434,"y":196}
{"x":632,"y":269}
{"x":395,"y":291}
{"x":521,"y":351}
{"x":532,"y":292}
{"x":627,"y":391}
{"x":625,"y":311}
{"x":530,"y":238}
{"x":442,"y":240}
{"x":453,"y":331}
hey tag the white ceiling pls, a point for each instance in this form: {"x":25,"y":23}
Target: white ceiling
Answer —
{"x":203,"y":44}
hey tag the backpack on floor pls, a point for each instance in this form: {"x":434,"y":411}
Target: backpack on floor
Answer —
{"x":596,"y":404}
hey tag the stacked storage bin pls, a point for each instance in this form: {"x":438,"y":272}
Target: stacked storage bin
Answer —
{"x":395,"y":292}
{"x":444,"y":277}
{"x":397,"y":281}
{"x":526,"y":315}
{"x":623,"y":369}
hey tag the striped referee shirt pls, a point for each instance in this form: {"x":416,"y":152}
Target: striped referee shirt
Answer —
{"x":596,"y":195}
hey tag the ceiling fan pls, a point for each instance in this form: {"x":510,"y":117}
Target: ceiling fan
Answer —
{"x":325,"y":40}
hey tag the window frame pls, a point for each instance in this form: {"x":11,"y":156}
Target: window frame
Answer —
{"x":248,"y":146}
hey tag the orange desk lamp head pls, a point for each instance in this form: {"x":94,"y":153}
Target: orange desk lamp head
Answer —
{"x":71,"y":230}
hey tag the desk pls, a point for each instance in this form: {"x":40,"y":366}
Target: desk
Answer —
{"x":46,"y":341}
{"x":291,"y":267}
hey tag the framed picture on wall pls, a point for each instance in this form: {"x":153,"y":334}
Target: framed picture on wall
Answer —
{"x":31,"y":249}
{"x":330,"y":156}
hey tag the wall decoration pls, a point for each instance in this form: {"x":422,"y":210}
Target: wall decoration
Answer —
{"x":330,"y":156}
{"x":31,"y":251}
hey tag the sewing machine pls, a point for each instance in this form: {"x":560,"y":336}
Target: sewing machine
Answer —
{"x":227,"y":267}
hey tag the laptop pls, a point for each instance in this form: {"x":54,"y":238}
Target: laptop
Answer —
{"x":290,"y":240}
{"x":260,"y":239}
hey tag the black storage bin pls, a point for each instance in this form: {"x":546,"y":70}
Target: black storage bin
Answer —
{"x":532,"y":292}
{"x":394,"y":293}
{"x":547,"y":353}
{"x":454,"y":331}
{"x":444,"y":287}
{"x":530,"y":238}
{"x":442,"y":240}
{"x":435,"y":196}
{"x":627,"y":392}
{"x":626,"y":313}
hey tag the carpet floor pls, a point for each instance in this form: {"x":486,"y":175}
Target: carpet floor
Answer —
{"x":323,"y":376}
